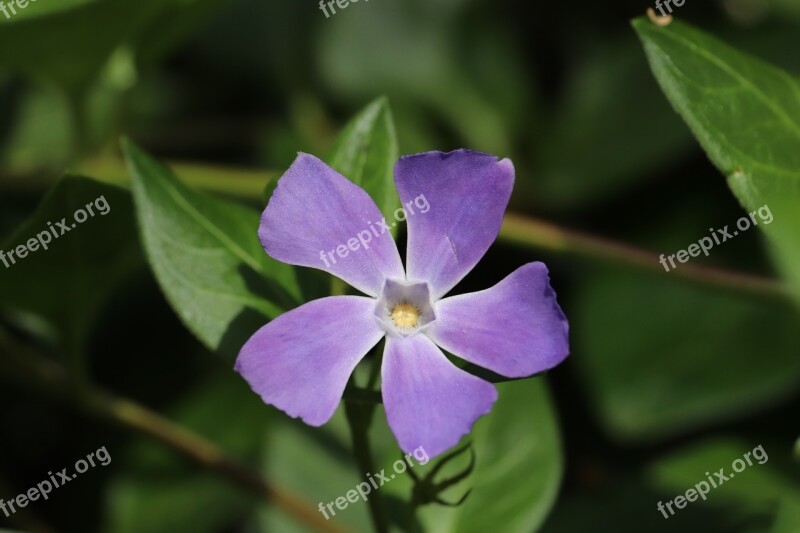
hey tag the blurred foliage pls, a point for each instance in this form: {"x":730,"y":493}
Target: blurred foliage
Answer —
{"x":70,"y":297}
{"x":667,"y":380}
{"x":207,"y":258}
{"x":516,"y":448}
{"x":633,"y":365}
{"x":366,"y":152}
{"x":756,"y":147}
{"x":157,"y":492}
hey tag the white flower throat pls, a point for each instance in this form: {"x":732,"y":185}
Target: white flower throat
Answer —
{"x":404,"y":308}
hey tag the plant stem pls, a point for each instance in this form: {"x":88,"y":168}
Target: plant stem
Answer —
{"x":204,"y":453}
{"x":231,"y":181}
{"x":51,"y":379}
{"x":540,"y":234}
{"x":359,"y":417}
{"x":517,"y":229}
{"x":338,"y":287}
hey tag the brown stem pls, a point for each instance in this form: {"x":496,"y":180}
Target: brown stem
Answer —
{"x":51,"y":379}
{"x":518,"y":229}
{"x":531,"y":232}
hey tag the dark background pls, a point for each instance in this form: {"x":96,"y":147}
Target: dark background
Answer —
{"x":563,"y":88}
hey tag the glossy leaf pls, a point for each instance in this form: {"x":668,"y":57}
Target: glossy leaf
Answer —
{"x":366,"y":152}
{"x":207,"y":258}
{"x":746,"y":115}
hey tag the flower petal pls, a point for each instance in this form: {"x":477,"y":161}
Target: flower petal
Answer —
{"x":314,"y":213}
{"x":466,"y":193}
{"x":429,"y":401}
{"x":301,"y":361}
{"x":515,"y":329}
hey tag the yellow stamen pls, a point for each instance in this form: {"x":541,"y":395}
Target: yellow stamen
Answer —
{"x":405,"y":315}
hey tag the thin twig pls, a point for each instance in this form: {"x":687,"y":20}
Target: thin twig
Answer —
{"x":359,"y":419}
{"x":516,"y":228}
{"x":531,"y":232}
{"x":51,"y":379}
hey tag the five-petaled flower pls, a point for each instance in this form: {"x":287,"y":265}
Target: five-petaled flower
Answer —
{"x":301,"y":361}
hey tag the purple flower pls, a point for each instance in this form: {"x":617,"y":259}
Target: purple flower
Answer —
{"x":301,"y":361}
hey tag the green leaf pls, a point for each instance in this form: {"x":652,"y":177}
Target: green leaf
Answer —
{"x":207,"y":258}
{"x":756,"y":488}
{"x":746,"y":115}
{"x":68,"y":283}
{"x":517,"y":445}
{"x":660,"y":356}
{"x":316,"y":464}
{"x":366,"y":152}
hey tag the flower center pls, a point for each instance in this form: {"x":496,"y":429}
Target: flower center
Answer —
{"x":404,"y":308}
{"x":405,"y":315}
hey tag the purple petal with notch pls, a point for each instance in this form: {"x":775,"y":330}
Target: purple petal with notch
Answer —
{"x":315,"y":213}
{"x":301,"y":361}
{"x":515,"y":328}
{"x":466,"y":194}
